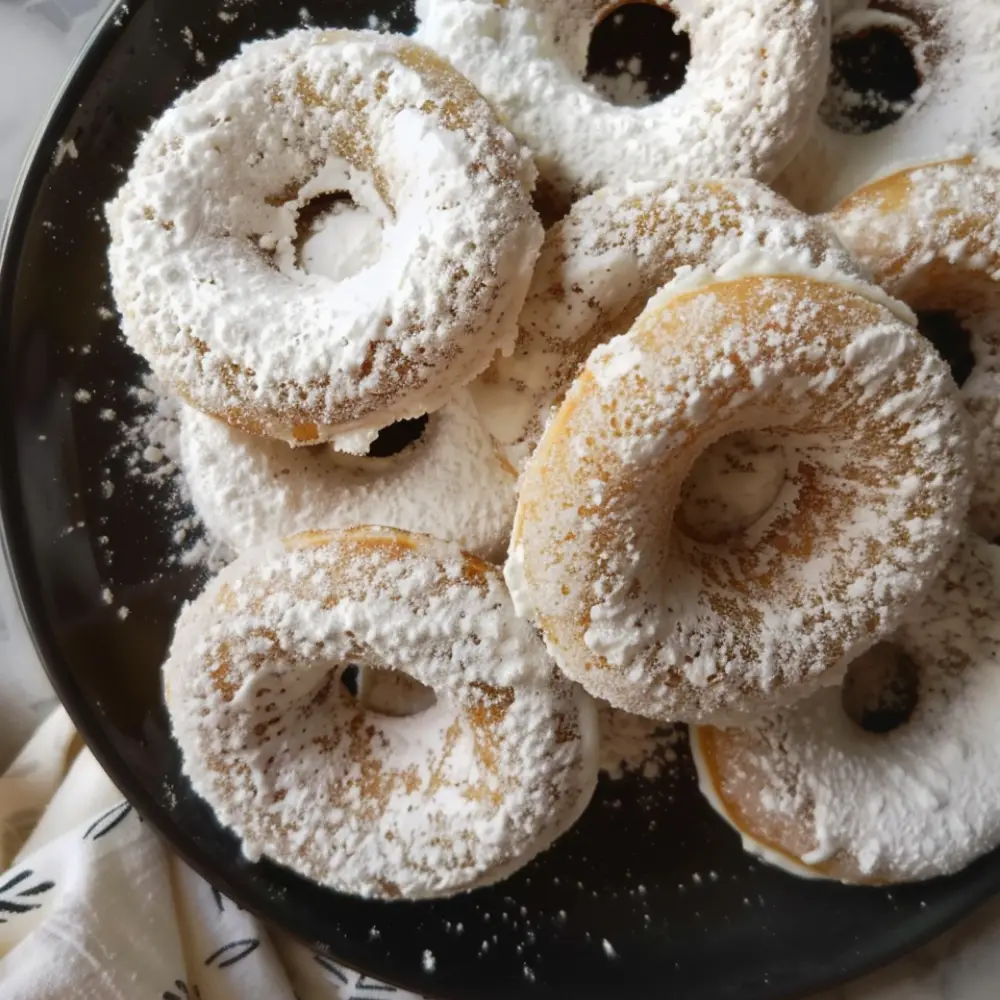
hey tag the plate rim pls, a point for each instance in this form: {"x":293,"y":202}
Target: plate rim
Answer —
{"x":26,"y":583}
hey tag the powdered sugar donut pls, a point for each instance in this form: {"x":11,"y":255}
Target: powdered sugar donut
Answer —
{"x":875,"y":492}
{"x":202,"y":257}
{"x":813,"y":792}
{"x":451,"y":483}
{"x":955,"y":46}
{"x":600,"y":265}
{"x":755,"y":79}
{"x":930,"y":234}
{"x":417,"y":806}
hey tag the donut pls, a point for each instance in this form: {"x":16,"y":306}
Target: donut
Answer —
{"x":202,"y":252}
{"x":377,"y":805}
{"x":953,"y":51}
{"x":755,"y":80}
{"x":811,"y":791}
{"x":930,"y":235}
{"x":875,"y":492}
{"x":451,"y":482}
{"x":600,"y":265}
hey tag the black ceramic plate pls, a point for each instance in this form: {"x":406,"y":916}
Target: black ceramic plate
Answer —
{"x":649,"y":869}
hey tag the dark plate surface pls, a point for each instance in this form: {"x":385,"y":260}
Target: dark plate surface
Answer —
{"x":649,"y":869}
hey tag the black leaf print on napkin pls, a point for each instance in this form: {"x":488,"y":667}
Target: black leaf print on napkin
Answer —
{"x":235,"y":951}
{"x":18,"y":900}
{"x":221,"y":902}
{"x":106,"y":822}
{"x":329,"y":966}
{"x":373,"y":985}
{"x":183,"y":992}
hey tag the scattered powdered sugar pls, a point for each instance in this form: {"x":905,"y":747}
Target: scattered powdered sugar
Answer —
{"x":912,"y":803}
{"x":416,"y":806}
{"x":150,"y":446}
{"x":209,"y":209}
{"x":656,"y":622}
{"x":749,"y":95}
{"x":64,"y":148}
{"x":631,"y":744}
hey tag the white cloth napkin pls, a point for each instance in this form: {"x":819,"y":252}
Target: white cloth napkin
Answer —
{"x":94,"y":907}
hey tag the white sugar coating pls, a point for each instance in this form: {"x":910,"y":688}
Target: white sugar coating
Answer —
{"x":451,"y":483}
{"x":754,"y":82}
{"x":202,"y":256}
{"x":347,"y":241}
{"x":930,"y":235}
{"x":956,"y":48}
{"x":732,"y":484}
{"x":600,"y":265}
{"x":631,"y":744}
{"x":809,"y":785}
{"x":664,"y":626}
{"x":391,"y":807}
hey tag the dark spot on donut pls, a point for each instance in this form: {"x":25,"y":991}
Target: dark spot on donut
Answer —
{"x":636,"y":55}
{"x":349,"y":679}
{"x":951,"y":339}
{"x":873,"y":77}
{"x":396,"y":437}
{"x":881,"y":689}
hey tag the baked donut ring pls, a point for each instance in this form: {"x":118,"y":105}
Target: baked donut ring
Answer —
{"x":419,"y":806}
{"x":955,"y":49}
{"x":201,"y":261}
{"x":875,"y":493}
{"x":930,"y":235}
{"x":600,"y":265}
{"x":451,"y":483}
{"x":756,"y":77}
{"x":811,"y":791}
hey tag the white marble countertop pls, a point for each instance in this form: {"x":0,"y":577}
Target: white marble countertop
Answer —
{"x":38,"y":40}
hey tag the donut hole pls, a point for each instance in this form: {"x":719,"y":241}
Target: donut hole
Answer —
{"x":336,"y":237}
{"x":951,"y":338}
{"x":636,"y":55}
{"x":387,"y":692}
{"x":731,"y":486}
{"x":874,"y":74}
{"x":397,"y":437}
{"x":881,"y":689}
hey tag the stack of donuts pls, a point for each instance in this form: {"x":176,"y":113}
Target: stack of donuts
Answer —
{"x":688,"y":451}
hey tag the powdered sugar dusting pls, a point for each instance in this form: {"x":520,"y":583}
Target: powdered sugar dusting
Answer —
{"x":451,"y":483}
{"x":662,"y":625}
{"x":600,"y":265}
{"x":631,"y":744}
{"x":930,"y":235}
{"x":913,"y":803}
{"x":755,"y":79}
{"x":208,"y":201}
{"x":956,"y":46}
{"x":419,"y":806}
